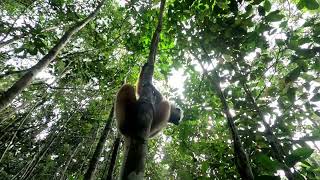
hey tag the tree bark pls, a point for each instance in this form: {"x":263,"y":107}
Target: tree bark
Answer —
{"x":25,"y":80}
{"x":94,"y":138}
{"x":97,"y":153}
{"x":114,"y":155}
{"x":242,"y":160}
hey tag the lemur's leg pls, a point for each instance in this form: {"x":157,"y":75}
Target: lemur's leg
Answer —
{"x":161,"y":117}
{"x":125,"y":107}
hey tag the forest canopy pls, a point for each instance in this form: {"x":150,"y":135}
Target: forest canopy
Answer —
{"x":246,"y":74}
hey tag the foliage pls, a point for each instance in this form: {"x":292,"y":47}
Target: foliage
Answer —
{"x":269,"y":47}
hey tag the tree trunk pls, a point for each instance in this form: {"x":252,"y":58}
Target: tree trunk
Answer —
{"x":97,"y":153}
{"x":8,"y":96}
{"x":114,"y":155}
{"x":241,"y":158}
{"x":6,"y":130}
{"x":69,"y":160}
{"x":55,"y":132}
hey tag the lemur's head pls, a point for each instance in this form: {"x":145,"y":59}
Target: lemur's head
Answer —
{"x":176,"y":115}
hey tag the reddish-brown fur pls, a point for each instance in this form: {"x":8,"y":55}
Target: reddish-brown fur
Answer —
{"x":124,"y":111}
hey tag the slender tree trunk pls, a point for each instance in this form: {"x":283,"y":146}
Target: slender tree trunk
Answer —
{"x":136,"y":148}
{"x":69,"y":160}
{"x":38,"y":157}
{"x":114,"y":155}
{"x":25,"y":80}
{"x":241,"y":158}
{"x":55,"y":132}
{"x":276,"y":147}
{"x":94,"y":138}
{"x":97,"y":153}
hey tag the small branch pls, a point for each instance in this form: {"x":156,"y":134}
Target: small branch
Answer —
{"x":15,"y":38}
{"x":23,"y":35}
{"x":9,"y":73}
{"x":156,"y":36}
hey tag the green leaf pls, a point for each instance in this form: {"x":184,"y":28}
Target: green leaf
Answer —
{"x":33,"y":51}
{"x":256,"y":2}
{"x":316,"y":97}
{"x":301,"y":4}
{"x":19,"y":50}
{"x":291,"y":94}
{"x":298,"y":176}
{"x":311,"y":4}
{"x":274,"y":16}
{"x":293,"y":75}
{"x":298,"y":155}
{"x":280,"y":42}
{"x":267,"y":5}
{"x":284,"y":24}
{"x":307,"y":53}
{"x":266,"y":163}
{"x":249,"y":10}
{"x":316,"y":65}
